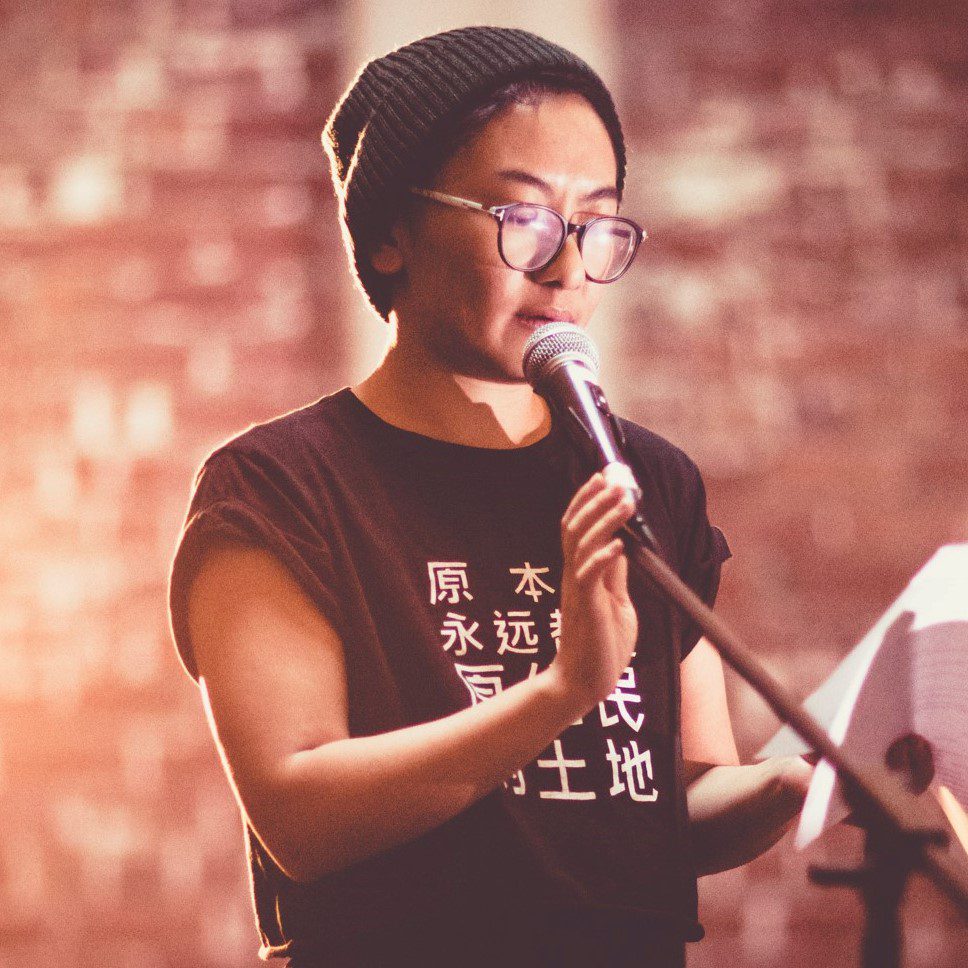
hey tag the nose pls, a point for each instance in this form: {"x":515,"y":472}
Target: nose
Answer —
{"x":567,"y":269}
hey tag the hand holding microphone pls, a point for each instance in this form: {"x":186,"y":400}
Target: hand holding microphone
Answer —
{"x":599,"y":625}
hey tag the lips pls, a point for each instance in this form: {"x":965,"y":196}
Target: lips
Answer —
{"x":538,"y":317}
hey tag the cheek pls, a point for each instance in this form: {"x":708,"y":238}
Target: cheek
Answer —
{"x":494,"y":288}
{"x":595,"y":291}
{"x":470,"y":283}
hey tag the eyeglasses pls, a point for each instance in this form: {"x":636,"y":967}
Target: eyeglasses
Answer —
{"x":529,"y":237}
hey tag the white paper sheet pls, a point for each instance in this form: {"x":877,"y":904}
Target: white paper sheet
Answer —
{"x":908,"y":674}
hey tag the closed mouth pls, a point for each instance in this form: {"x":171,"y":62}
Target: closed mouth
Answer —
{"x":540,"y":318}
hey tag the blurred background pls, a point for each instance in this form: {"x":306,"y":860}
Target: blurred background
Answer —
{"x":170,"y":271}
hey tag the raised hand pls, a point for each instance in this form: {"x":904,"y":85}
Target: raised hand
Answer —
{"x":598,"y":621}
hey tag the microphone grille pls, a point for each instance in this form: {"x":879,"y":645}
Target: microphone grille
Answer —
{"x":556,"y":342}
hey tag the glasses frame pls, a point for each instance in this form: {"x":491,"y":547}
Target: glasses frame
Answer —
{"x":500,"y":213}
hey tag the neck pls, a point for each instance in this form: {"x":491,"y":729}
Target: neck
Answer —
{"x":413,"y":392}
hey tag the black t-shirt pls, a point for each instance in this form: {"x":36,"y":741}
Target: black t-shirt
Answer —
{"x":439,"y":565}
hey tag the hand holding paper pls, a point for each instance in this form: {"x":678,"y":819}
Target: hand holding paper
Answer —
{"x":903,"y":689}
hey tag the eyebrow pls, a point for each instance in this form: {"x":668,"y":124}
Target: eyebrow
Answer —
{"x":526,"y":178}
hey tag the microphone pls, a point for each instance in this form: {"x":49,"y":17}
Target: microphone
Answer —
{"x":561,"y":363}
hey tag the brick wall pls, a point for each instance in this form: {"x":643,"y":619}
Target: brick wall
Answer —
{"x":799,"y":324}
{"x":170,"y":271}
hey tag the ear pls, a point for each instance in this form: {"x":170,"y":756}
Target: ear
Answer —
{"x":387,"y":256}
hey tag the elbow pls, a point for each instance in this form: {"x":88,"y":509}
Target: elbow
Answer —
{"x":298,"y":866}
{"x":288,"y":818}
{"x":294,"y":855}
{"x":295,"y":846}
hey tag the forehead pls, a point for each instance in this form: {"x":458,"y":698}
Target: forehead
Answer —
{"x":559,"y":138}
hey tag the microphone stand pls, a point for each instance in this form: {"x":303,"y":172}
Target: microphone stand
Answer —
{"x":901,"y":833}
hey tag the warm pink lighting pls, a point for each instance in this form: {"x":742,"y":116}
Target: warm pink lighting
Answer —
{"x":86,"y":188}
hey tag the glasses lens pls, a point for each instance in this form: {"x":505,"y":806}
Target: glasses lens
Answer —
{"x":530,"y":236}
{"x":607,"y":248}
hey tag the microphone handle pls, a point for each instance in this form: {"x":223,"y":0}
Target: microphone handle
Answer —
{"x":571,"y":391}
{"x":578,"y":401}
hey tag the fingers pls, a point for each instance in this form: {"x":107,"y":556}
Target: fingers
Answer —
{"x":601,"y":528}
{"x":588,"y":530}
{"x":594,"y":485}
{"x":593,"y":566}
{"x":591,"y":502}
{"x":616,"y":576}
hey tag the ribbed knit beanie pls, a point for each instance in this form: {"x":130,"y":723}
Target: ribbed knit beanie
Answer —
{"x":382,"y":132}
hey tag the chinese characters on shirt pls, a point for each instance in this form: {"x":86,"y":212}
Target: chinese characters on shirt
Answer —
{"x":516,"y":630}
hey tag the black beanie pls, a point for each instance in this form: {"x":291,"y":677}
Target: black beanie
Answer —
{"x":382,"y":131}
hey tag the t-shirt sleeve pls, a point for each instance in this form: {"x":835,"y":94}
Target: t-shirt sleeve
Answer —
{"x":702,"y":550}
{"x":252,"y":500}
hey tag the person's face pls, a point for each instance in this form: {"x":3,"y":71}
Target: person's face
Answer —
{"x":471,"y":313}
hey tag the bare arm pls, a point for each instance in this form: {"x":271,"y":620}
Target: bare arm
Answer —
{"x":707,"y":731}
{"x":273,"y":680}
{"x":736,"y":812}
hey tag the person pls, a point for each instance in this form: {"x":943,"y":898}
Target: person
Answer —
{"x":448,"y":710}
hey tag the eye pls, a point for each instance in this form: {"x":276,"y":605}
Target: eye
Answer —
{"x":585,"y":216}
{"x":523,"y":216}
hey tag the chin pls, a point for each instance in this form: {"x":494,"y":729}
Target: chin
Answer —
{"x":501,"y":371}
{"x":493,"y":368}
{"x":499,"y":358}
{"x":507,"y":361}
